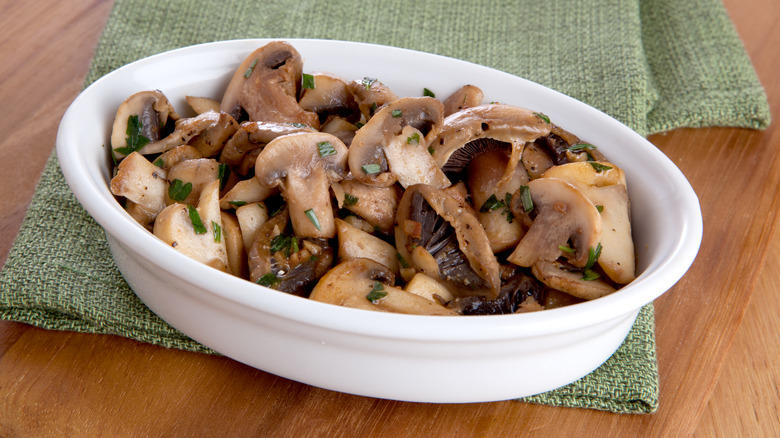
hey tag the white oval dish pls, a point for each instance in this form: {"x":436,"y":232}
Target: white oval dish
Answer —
{"x":401,"y":357}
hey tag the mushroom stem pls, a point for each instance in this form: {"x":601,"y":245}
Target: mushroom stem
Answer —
{"x":311,"y":216}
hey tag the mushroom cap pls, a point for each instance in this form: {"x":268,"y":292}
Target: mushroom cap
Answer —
{"x":330,"y":95}
{"x":153,"y":111}
{"x":350,"y":283}
{"x":607,"y":188}
{"x":564,"y":214}
{"x":303,"y":166}
{"x":506,"y":123}
{"x":254,"y":135}
{"x":464,"y":97}
{"x":439,"y":235}
{"x":370,"y":94}
{"x":368,"y":146}
{"x":266,"y":86}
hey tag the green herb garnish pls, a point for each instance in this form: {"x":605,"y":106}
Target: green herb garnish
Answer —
{"x":431,"y":150}
{"x":397,"y":113}
{"x":223,"y":173}
{"x":491,"y":204}
{"x":525,"y":198}
{"x":280,"y":242}
{"x":298,"y":125}
{"x":599,"y":167}
{"x":590,"y":275}
{"x":197,"y":224}
{"x":268,"y":280}
{"x":507,"y":208}
{"x":178,"y":191}
{"x":237,"y":203}
{"x":135,"y":139}
{"x":377,"y":292}
{"x":359,"y":125}
{"x":543,"y":117}
{"x":401,"y":260}
{"x":308,"y":81}
{"x":580,"y":147}
{"x":373,"y":109}
{"x":158,"y":162}
{"x":427,"y":92}
{"x":414,"y":138}
{"x":593,"y":256}
{"x":313,"y":218}
{"x":367,"y":82}
{"x":294,"y":244}
{"x":350,"y":199}
{"x":249,"y":70}
{"x":217,"y":231}
{"x":371,"y":169}
{"x":600,"y":208}
{"x":325,"y":149}
{"x":566,"y":248}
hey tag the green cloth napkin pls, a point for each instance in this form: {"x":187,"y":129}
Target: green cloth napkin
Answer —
{"x":654,"y":65}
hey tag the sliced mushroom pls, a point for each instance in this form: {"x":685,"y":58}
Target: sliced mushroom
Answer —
{"x":518,"y":292}
{"x":453,"y":148}
{"x":139,"y":120}
{"x":536,"y":160}
{"x":212,"y":126}
{"x":438,"y":234}
{"x":555,"y":276}
{"x":246,"y":191}
{"x":466,"y":96}
{"x":370,"y":95}
{"x":355,"y":243}
{"x":212,"y":140}
{"x":366,"y":284}
{"x":377,"y":205}
{"x":192,"y":230}
{"x":178,"y":154}
{"x":142,"y":183}
{"x":605,"y":185}
{"x":429,"y":288}
{"x":492,"y":196}
{"x":252,"y":136}
{"x":202,"y":104}
{"x":329,"y":95}
{"x":303,"y":167}
{"x":234,"y":245}
{"x":188,"y":178}
{"x":282,"y":261}
{"x":250,"y":218}
{"x":341,"y":128}
{"x":369,"y":160}
{"x":564,"y":217}
{"x":265,"y":87}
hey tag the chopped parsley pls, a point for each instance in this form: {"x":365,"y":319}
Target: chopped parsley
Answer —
{"x":178,"y":191}
{"x":135,"y":139}
{"x":600,"y":208}
{"x":428,"y":93}
{"x":491,"y":204}
{"x":249,"y":70}
{"x":414,"y":138}
{"x":217,"y":231}
{"x":197,"y":224}
{"x":525,"y":198}
{"x":223,"y":173}
{"x":431,"y":150}
{"x":566,"y":248}
{"x":371,"y":169}
{"x":543,"y":117}
{"x":589,"y":274}
{"x":599,"y":167}
{"x":377,"y":292}
{"x":268,"y":280}
{"x":401,"y":260}
{"x":359,"y":125}
{"x":367,"y":82}
{"x":325,"y":149}
{"x":280,"y":242}
{"x":397,"y":113}
{"x":350,"y":199}
{"x":313,"y":218}
{"x":308,"y":81}
{"x":580,"y":147}
{"x":158,"y":162}
{"x":237,"y":203}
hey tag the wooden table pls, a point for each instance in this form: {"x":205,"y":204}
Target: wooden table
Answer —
{"x":717,"y":329}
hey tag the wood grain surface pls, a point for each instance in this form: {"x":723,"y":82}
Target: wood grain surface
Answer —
{"x":717,"y":329}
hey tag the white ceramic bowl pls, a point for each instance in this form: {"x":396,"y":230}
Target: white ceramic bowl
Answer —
{"x":402,"y":357}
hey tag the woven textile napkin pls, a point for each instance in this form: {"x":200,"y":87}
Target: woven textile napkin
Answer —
{"x":654,"y":65}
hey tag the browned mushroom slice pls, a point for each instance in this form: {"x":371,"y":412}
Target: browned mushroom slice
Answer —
{"x":329,"y":94}
{"x":370,"y":95}
{"x":303,"y":167}
{"x":341,"y":128}
{"x":567,"y":224}
{"x":355,"y":243}
{"x":517,"y":291}
{"x":466,"y":96}
{"x":437,"y":234}
{"x":187,"y":179}
{"x":454,"y":148}
{"x":214,"y":127}
{"x":556,"y":276}
{"x":143,"y":185}
{"x":282,"y":261}
{"x":564,"y":147}
{"x":171,"y":157}
{"x":377,"y":205}
{"x":202,"y":104}
{"x":141,"y":119}
{"x":366,"y":284}
{"x":393,"y":145}
{"x":265,"y":87}
{"x":492,"y":196}
{"x":212,"y":140}
{"x":253,"y":136}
